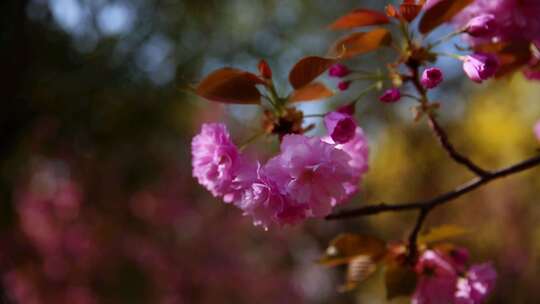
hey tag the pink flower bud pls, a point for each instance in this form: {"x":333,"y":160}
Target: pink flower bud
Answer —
{"x":480,"y":66}
{"x":338,"y":70}
{"x":343,"y":85}
{"x":481,"y":26}
{"x":431,"y":78}
{"x":347,"y":109}
{"x":390,"y":95}
{"x":460,"y":257}
{"x":537,"y":130}
{"x":341,"y":127}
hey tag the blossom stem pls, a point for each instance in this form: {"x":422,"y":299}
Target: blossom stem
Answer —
{"x":250,"y":140}
{"x":275,"y":100}
{"x":364,"y":77}
{"x":455,"y":56}
{"x":405,"y":32}
{"x":365,"y":91}
{"x":411,"y":96}
{"x":314,"y":115}
{"x":446,"y":38}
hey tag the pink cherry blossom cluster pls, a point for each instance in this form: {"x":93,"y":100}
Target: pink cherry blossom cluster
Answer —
{"x":444,"y":278}
{"x":309,"y":176}
{"x":501,"y":21}
{"x":512,"y":22}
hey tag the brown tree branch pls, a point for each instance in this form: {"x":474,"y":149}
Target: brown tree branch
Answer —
{"x":437,"y":129}
{"x":441,"y":199}
{"x":452,"y":152}
{"x":413,"y":249}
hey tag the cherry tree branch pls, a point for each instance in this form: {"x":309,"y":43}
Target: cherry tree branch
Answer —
{"x":452,"y":152}
{"x":413,"y":249}
{"x":426,"y":206}
{"x":441,"y":199}
{"x":438,"y":130}
{"x":441,"y":135}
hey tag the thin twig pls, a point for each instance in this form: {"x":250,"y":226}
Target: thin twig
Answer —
{"x":314,"y":115}
{"x":439,"y":131}
{"x":413,"y":249}
{"x":441,"y":199}
{"x":447,"y":145}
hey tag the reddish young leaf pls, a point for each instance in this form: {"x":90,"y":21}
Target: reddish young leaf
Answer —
{"x":230,"y":85}
{"x":360,"y":43}
{"x":307,"y":69}
{"x":264,"y":69}
{"x":409,"y":11}
{"x":310,"y":92}
{"x":441,"y":12}
{"x":359,"y":17}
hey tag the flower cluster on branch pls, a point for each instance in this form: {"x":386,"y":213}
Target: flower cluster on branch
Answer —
{"x":313,"y":174}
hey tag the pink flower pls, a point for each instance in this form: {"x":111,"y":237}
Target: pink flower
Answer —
{"x":263,"y":201}
{"x":358,"y":149}
{"x":338,"y":70}
{"x":344,"y":85}
{"x":341,"y":127}
{"x":537,"y":130}
{"x":480,"y":66}
{"x":515,"y":20}
{"x":460,"y":258}
{"x":481,"y":25}
{"x":215,"y":158}
{"x":245,"y":174}
{"x":437,"y":279}
{"x":311,"y":172}
{"x":349,"y":108}
{"x":390,"y":95}
{"x":431,"y":78}
{"x":475,"y":287}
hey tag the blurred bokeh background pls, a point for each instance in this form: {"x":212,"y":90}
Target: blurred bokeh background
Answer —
{"x":97,"y":200}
